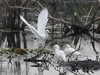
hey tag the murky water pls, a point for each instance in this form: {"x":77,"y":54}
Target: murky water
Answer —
{"x":18,"y":67}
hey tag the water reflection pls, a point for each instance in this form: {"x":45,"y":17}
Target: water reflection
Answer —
{"x":21,"y":68}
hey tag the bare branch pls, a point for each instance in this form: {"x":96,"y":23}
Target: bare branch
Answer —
{"x":98,"y":18}
{"x":88,"y":14}
{"x":16,"y":7}
{"x":23,"y":3}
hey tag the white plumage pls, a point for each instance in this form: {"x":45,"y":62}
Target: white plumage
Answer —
{"x":40,"y":33}
{"x":59,"y":54}
{"x":42,"y":20}
{"x":68,"y":50}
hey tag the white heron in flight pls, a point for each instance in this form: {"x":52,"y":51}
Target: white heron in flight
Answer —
{"x":68,"y":50}
{"x":59,"y":54}
{"x":41,"y":33}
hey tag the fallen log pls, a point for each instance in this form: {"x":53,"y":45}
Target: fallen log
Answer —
{"x":86,"y":66}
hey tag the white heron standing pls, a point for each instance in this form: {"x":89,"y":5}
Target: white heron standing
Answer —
{"x":41,"y":33}
{"x":59,"y":54}
{"x":68,"y":50}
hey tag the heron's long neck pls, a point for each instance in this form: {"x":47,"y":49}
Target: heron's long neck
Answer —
{"x":57,"y":50}
{"x":46,"y":33}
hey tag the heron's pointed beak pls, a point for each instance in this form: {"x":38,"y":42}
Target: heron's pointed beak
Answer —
{"x":51,"y":52}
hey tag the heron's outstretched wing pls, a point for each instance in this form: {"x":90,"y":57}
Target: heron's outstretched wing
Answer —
{"x":33,"y":30}
{"x":42,"y":20}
